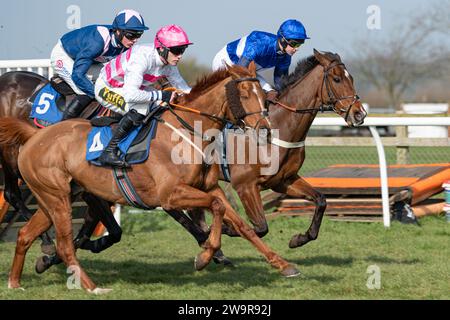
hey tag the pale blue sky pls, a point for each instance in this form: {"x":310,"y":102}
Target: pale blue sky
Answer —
{"x":30,"y":28}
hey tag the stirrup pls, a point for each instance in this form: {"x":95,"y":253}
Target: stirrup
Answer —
{"x":106,"y":160}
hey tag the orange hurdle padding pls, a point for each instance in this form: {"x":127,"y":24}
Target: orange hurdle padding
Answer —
{"x":3,"y":206}
{"x":427,"y":187}
{"x":428,"y":210}
{"x":99,"y":230}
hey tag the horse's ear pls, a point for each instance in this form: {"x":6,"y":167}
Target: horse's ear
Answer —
{"x":252,"y":68}
{"x":232,"y":71}
{"x":321,"y":57}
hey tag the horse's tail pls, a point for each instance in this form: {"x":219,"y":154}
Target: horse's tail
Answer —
{"x":14,"y":131}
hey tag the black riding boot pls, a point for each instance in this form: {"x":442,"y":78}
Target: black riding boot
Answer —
{"x":76,"y":106}
{"x":110,"y":155}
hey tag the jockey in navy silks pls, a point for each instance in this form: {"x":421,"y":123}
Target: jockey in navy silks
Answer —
{"x":267,"y":50}
{"x":82,"y":53}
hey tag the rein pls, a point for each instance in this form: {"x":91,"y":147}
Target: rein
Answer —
{"x":236,"y":107}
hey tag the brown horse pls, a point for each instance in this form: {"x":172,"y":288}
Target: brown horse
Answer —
{"x":158,"y":181}
{"x":16,"y":88}
{"x":318,"y":80}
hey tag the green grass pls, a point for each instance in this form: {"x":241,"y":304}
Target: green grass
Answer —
{"x":154,"y":260}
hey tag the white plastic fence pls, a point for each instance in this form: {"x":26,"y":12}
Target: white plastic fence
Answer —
{"x":40,"y":66}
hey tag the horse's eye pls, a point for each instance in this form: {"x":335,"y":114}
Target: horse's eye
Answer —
{"x":336,"y":79}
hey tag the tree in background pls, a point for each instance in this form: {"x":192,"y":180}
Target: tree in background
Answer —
{"x":416,"y":50}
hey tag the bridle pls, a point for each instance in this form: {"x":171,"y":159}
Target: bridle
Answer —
{"x":330,"y":105}
{"x":332,"y":96}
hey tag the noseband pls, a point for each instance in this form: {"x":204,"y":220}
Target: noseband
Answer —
{"x":237,"y":109}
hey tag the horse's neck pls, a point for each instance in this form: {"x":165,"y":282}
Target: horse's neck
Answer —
{"x":211,"y":103}
{"x":292,"y":126}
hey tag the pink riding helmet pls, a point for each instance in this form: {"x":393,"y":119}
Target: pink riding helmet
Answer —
{"x":171,"y":36}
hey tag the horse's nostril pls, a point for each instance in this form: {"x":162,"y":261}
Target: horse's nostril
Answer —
{"x":358,"y":116}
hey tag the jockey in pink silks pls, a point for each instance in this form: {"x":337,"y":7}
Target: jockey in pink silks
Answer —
{"x":125,"y":84}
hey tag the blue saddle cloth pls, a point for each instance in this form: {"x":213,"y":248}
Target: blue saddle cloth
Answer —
{"x":134,"y":148}
{"x":45,"y":105}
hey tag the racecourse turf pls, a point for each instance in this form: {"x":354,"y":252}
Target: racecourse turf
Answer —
{"x":155,"y":258}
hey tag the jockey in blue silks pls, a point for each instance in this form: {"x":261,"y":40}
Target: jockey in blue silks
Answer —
{"x":81,"y":53}
{"x":267,"y":50}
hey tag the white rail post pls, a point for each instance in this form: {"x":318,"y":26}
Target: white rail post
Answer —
{"x":383,"y":177}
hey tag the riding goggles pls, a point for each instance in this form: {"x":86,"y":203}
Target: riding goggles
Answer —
{"x":132,"y":35}
{"x":295,"y":43}
{"x":178,"y":50}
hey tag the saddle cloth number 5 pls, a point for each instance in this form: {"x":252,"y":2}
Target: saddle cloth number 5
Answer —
{"x":44,"y":103}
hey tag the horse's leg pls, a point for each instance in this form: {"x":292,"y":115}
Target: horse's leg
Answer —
{"x":299,"y":188}
{"x":247,"y":232}
{"x":38,"y":223}
{"x":198,"y":228}
{"x":102,"y":210}
{"x":184,"y":196}
{"x":99,"y":210}
{"x":59,"y":208}
{"x":13,"y":195}
{"x":189,"y":224}
{"x":252,"y":202}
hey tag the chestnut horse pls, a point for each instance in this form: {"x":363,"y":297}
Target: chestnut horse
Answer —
{"x":318,"y":80}
{"x":158,"y":181}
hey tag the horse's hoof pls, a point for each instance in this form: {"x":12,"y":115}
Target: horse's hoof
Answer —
{"x":98,"y":291}
{"x":41,"y":264}
{"x":199,"y":262}
{"x":48,"y":249}
{"x":16,"y":285}
{"x":290,"y":271}
{"x":221,"y":259}
{"x":298,"y":240}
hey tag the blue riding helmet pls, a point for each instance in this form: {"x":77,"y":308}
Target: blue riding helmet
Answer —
{"x":292,"y":29}
{"x":129,"y":20}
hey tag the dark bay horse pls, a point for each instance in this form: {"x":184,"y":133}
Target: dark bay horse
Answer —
{"x":158,"y":181}
{"x":318,"y":80}
{"x":16,"y":88}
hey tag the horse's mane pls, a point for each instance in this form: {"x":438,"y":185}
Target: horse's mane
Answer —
{"x":303,"y":67}
{"x":208,"y":80}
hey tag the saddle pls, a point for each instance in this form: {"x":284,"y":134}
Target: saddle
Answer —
{"x":50,"y":99}
{"x":134,"y":148}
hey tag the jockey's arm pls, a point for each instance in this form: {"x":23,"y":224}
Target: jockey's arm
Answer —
{"x":278,"y":74}
{"x":81,"y":64}
{"x":244,"y":61}
{"x":80,"y":68}
{"x":133,"y":80}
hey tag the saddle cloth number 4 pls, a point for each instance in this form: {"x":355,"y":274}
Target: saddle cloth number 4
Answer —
{"x":96,"y":144}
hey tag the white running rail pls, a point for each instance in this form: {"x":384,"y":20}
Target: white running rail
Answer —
{"x":40,"y":66}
